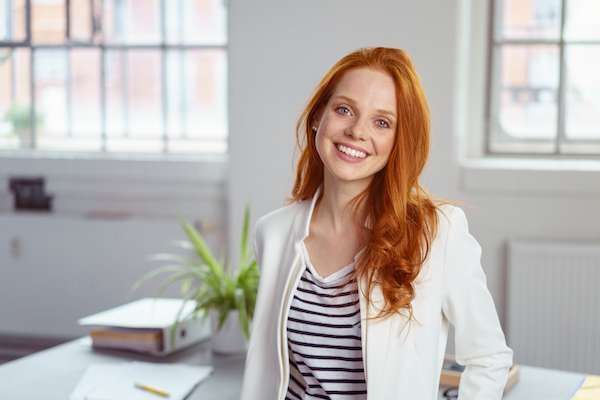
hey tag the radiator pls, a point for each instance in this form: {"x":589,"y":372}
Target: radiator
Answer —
{"x":553,"y":304}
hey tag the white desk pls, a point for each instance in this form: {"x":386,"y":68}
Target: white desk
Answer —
{"x":52,"y":374}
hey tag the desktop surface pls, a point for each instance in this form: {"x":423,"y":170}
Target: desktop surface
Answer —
{"x":54,"y":373}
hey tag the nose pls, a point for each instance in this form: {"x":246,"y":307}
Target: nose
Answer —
{"x":358,"y":130}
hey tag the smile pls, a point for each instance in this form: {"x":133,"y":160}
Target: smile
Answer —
{"x":350,"y":155}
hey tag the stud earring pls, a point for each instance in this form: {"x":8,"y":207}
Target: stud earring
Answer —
{"x":314,"y":129}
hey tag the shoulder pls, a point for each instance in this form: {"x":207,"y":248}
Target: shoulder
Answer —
{"x":449,"y":217}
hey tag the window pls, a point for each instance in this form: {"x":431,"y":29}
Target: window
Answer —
{"x":113,"y":76}
{"x":544,"y":86}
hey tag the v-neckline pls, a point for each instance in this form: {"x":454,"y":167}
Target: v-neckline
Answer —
{"x":334,"y":275}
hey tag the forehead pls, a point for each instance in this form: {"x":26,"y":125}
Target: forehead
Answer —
{"x":369,"y":87}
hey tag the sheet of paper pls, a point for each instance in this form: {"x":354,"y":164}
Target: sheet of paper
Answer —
{"x":112,"y":382}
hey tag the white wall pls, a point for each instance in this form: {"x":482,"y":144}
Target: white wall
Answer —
{"x":279,"y":50}
{"x":108,"y":218}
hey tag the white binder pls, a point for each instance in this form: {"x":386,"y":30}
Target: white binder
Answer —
{"x":157,"y":314}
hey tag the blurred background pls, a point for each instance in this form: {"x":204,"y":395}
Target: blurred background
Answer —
{"x":129,"y":113}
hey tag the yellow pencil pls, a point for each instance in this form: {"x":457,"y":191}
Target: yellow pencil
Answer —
{"x":151,"y":389}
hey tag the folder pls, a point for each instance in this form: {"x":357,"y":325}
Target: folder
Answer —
{"x":146,"y":326}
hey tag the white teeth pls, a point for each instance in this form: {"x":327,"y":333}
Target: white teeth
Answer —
{"x":351,"y":152}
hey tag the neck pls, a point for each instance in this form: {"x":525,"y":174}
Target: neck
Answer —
{"x":333,"y":210}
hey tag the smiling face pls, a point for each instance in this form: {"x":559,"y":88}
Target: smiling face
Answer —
{"x":361,"y":117}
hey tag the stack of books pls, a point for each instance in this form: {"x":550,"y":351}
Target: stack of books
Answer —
{"x":146,"y":326}
{"x":451,"y":372}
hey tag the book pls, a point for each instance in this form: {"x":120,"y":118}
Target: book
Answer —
{"x":146,"y":326}
{"x":144,"y":340}
{"x":451,"y":371}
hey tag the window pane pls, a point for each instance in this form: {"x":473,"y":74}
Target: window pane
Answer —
{"x":528,"y":19}
{"x":583,"y":20}
{"x":197,"y":94}
{"x":12,"y":20}
{"x":81,"y":20}
{"x":73,"y":97}
{"x":116,"y":93}
{"x":527,"y":88}
{"x":131,"y":21}
{"x":85,"y":95}
{"x":50,"y":94}
{"x":48,"y":21}
{"x":206,"y":94}
{"x":14,"y":98}
{"x":140,"y":79}
{"x":196,"y":21}
{"x":583,"y":92}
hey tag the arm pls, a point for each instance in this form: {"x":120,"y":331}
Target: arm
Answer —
{"x":480,"y":344}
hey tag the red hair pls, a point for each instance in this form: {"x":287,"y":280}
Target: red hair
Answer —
{"x":402,"y":214}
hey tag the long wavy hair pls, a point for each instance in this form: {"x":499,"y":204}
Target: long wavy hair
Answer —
{"x":402,"y":215}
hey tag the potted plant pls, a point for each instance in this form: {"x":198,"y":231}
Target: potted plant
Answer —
{"x":228,"y":298}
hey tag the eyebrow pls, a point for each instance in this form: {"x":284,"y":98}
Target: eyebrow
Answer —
{"x":389,"y":113}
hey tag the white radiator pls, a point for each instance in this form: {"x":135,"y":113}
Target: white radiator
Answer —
{"x":553,"y":304}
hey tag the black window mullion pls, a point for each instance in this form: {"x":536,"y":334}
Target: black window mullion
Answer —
{"x":560,"y":118}
{"x":28,"y":22}
{"x":490,"y":71}
{"x":32,"y":88}
{"x":67,"y":21}
{"x":95,"y":26}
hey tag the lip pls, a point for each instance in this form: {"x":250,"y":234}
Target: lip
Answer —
{"x":345,"y":157}
{"x":353,"y":147}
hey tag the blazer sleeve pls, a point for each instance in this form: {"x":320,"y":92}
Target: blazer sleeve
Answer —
{"x":257,"y":243}
{"x":479,"y":343}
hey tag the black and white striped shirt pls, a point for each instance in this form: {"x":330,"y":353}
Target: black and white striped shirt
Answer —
{"x":324,"y":336}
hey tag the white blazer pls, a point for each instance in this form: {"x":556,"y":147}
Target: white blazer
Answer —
{"x":399,"y":363}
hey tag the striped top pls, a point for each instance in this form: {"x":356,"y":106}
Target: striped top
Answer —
{"x":324,"y":336}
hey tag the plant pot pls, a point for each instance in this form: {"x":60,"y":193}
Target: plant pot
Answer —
{"x":229,"y":339}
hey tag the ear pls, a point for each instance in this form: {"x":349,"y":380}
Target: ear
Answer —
{"x":317,"y":119}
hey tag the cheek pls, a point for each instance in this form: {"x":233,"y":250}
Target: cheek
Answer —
{"x":385,"y":145}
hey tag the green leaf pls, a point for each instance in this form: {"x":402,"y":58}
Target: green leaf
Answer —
{"x":244,"y":239}
{"x":240,"y":302}
{"x":202,"y":249}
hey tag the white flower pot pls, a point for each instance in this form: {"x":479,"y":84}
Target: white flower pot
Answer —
{"x":229,"y":339}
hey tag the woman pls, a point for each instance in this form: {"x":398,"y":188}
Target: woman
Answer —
{"x":362,"y":271}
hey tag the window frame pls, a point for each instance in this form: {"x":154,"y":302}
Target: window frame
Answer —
{"x":490,"y":108}
{"x":162,"y":48}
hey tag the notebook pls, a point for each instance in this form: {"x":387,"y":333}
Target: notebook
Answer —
{"x":118,"y":381}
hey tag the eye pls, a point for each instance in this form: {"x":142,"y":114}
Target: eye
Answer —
{"x":342,"y":107}
{"x":386,"y":124}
